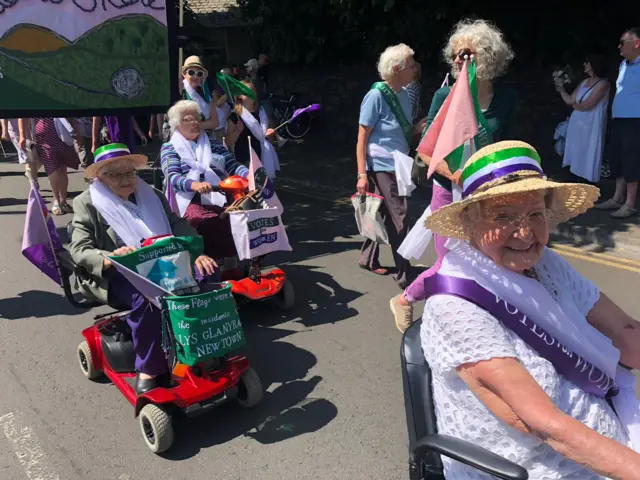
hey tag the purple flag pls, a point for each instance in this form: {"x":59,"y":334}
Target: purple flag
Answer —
{"x":40,"y":240}
{"x":171,"y":197}
{"x":311,"y":108}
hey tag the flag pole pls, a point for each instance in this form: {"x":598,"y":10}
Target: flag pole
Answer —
{"x":46,"y":227}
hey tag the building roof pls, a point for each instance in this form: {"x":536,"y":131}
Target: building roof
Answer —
{"x":218,"y":13}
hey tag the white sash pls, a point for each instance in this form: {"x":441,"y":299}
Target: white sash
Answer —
{"x":200,"y":163}
{"x":270,"y":160}
{"x":223,"y":116}
{"x":133,"y":222}
{"x":403,"y":165}
{"x":561,"y":319}
{"x":205,"y":109}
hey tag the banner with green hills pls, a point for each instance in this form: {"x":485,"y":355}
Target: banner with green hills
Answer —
{"x":83,"y":56}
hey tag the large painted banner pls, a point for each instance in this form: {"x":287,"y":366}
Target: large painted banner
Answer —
{"x":85,"y":56}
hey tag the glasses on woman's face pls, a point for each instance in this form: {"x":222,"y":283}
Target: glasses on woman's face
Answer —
{"x":190,"y":120}
{"x":513,"y":221}
{"x":462,"y":53}
{"x":195,"y":73}
{"x":120,"y":177}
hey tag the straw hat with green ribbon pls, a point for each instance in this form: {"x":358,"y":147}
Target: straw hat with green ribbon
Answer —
{"x":506,"y":168}
{"x":110,"y":153}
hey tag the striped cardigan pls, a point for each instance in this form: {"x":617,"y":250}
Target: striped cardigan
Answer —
{"x":175,"y":170}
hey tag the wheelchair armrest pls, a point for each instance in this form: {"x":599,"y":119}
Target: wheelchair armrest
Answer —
{"x":469,"y":454}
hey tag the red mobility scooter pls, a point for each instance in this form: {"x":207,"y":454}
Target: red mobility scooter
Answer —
{"x":252,"y":283}
{"x":107,"y":350}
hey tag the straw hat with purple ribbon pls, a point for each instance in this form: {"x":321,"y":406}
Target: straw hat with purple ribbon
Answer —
{"x":110,"y":153}
{"x":506,"y":168}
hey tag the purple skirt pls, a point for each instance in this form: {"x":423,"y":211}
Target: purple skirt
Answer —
{"x":216,"y":232}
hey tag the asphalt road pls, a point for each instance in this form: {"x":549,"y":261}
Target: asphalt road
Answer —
{"x":333,"y":408}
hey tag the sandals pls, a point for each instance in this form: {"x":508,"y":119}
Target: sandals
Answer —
{"x":378,"y":271}
{"x":56,"y":209}
{"x":66,"y":208}
{"x":625,"y":211}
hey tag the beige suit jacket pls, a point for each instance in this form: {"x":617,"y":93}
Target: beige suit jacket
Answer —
{"x":93,"y":239}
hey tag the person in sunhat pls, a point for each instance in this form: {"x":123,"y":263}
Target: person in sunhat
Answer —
{"x":112,"y":218}
{"x":195,"y":88}
{"x":524,"y":350}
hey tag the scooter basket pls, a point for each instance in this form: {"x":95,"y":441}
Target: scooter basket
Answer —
{"x":204,"y":326}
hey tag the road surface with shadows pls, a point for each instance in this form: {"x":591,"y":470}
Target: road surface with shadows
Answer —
{"x":38,"y":304}
{"x":288,"y":408}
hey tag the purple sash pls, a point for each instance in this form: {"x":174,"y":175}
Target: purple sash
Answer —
{"x":570,"y":365}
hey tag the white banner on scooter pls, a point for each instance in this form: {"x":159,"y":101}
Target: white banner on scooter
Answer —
{"x":258,"y":232}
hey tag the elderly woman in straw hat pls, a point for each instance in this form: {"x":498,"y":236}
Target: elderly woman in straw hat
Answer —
{"x":527,"y":353}
{"x":194,"y":82}
{"x":112,"y":218}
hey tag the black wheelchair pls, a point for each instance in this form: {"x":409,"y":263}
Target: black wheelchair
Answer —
{"x":425,"y":444}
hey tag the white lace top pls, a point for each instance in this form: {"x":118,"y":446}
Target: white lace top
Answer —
{"x":455,"y":332}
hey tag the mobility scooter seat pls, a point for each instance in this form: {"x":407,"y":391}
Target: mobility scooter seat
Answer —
{"x":425,"y":444}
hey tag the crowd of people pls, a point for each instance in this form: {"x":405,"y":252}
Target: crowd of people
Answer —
{"x":495,"y":383}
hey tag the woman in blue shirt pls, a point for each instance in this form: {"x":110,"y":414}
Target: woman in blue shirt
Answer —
{"x":386,"y":122}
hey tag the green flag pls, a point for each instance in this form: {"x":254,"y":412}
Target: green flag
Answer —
{"x":233,"y":88}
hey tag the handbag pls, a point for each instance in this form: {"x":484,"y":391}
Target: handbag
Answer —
{"x":368,"y":217}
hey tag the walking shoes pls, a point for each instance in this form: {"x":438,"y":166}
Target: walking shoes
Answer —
{"x":403,"y":315}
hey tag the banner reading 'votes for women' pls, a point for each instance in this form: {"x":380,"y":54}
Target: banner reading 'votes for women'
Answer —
{"x":61,"y":56}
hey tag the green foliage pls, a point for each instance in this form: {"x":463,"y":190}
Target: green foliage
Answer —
{"x":356,"y":31}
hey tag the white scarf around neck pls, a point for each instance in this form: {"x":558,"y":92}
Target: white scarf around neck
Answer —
{"x":205,"y":108}
{"x":559,"y":318}
{"x":270,"y":160}
{"x":133,"y":222}
{"x":199,"y":163}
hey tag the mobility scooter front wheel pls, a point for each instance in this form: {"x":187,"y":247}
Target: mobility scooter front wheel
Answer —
{"x":249,"y":389}
{"x":156,"y":428}
{"x":86,"y":362}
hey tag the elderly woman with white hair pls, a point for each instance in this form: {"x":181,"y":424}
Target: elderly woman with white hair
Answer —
{"x":497,"y":101}
{"x":112,"y":218}
{"x":530,"y":360}
{"x":193,"y":162}
{"x":386,"y":127}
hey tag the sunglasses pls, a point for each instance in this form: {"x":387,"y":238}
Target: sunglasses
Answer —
{"x":462,"y":53}
{"x":195,"y":73}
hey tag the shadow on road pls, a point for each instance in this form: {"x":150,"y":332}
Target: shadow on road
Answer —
{"x":286,"y":411}
{"x":38,"y":304}
{"x":320,"y":300}
{"x":10,"y":201}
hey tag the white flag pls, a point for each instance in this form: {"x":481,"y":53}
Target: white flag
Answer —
{"x":258,"y":179}
{"x":258,"y":232}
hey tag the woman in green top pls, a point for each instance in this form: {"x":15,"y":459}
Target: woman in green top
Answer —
{"x":498,"y":103}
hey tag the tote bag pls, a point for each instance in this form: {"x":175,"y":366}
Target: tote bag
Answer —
{"x":258,"y":232}
{"x":368,"y":217}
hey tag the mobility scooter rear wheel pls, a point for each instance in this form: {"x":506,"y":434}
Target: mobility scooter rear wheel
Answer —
{"x":249,"y":389}
{"x":286,"y":298}
{"x":156,"y":428}
{"x":86,"y":362}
